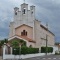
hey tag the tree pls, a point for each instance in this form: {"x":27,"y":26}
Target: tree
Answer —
{"x":0,"y":44}
{"x":22,"y":42}
{"x":15,"y":43}
{"x":3,"y":41}
{"x":6,"y":40}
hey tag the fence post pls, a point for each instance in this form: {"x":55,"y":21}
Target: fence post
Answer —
{"x":4,"y":48}
{"x":11,"y":50}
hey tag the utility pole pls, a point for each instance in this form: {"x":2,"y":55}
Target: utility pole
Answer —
{"x":46,"y":38}
{"x":46,"y":43}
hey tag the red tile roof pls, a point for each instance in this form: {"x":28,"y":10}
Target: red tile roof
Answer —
{"x":25,"y":37}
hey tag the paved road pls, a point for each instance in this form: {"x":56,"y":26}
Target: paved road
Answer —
{"x":51,"y":57}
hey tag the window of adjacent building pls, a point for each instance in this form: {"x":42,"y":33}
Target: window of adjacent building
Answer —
{"x":24,"y":33}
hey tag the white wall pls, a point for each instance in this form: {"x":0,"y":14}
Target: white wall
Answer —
{"x":55,"y":48}
{"x":22,"y":56}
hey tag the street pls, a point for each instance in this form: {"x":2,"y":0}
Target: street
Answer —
{"x":50,"y":57}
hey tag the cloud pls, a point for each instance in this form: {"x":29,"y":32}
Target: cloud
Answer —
{"x":46,"y":11}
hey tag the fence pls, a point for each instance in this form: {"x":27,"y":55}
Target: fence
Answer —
{"x":10,"y":56}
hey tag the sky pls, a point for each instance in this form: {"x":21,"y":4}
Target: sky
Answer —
{"x":46,"y":11}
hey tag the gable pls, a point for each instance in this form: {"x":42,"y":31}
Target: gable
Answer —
{"x":23,"y":25}
{"x":28,"y":29}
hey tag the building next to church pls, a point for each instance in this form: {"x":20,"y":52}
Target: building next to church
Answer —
{"x":26,"y":27}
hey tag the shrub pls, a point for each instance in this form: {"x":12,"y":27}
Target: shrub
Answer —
{"x":15,"y":43}
{"x":16,"y":50}
{"x":25,"y":50}
{"x":49,"y":49}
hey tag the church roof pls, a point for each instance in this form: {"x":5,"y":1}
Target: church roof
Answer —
{"x":23,"y":25}
{"x":46,"y":29}
{"x":22,"y":37}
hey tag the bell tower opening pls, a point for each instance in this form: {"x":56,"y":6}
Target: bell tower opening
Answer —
{"x":24,"y":10}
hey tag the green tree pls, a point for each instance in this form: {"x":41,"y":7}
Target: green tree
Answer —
{"x":6,"y":40}
{"x":3,"y":41}
{"x":0,"y":44}
{"x":15,"y":43}
{"x":22,"y":42}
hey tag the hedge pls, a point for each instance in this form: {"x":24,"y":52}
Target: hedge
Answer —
{"x":16,"y":51}
{"x":49,"y":49}
{"x":25,"y":50}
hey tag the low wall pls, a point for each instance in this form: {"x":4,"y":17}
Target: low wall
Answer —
{"x":5,"y":56}
{"x":22,"y":56}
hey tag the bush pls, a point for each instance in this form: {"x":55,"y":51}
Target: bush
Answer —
{"x":46,"y":49}
{"x":16,"y":50}
{"x":25,"y":50}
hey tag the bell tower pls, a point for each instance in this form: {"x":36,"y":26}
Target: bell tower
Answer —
{"x":24,"y":15}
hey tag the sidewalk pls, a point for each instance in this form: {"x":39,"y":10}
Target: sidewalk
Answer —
{"x":0,"y":58}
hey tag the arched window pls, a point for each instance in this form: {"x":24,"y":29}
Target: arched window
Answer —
{"x":24,"y":11}
{"x":24,"y":33}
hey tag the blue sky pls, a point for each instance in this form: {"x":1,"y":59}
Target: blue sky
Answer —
{"x":46,"y":11}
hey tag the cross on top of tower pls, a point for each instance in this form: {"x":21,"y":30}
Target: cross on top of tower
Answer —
{"x":24,"y":1}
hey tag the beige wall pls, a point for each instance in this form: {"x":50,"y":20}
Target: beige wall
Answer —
{"x":41,"y":33}
{"x":30,"y":43}
{"x":50,"y":37}
{"x":37,"y":33}
{"x":27,"y":28}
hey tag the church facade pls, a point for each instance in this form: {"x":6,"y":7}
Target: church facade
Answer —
{"x":26,"y":27}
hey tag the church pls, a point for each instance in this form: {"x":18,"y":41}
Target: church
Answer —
{"x":25,"y":26}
